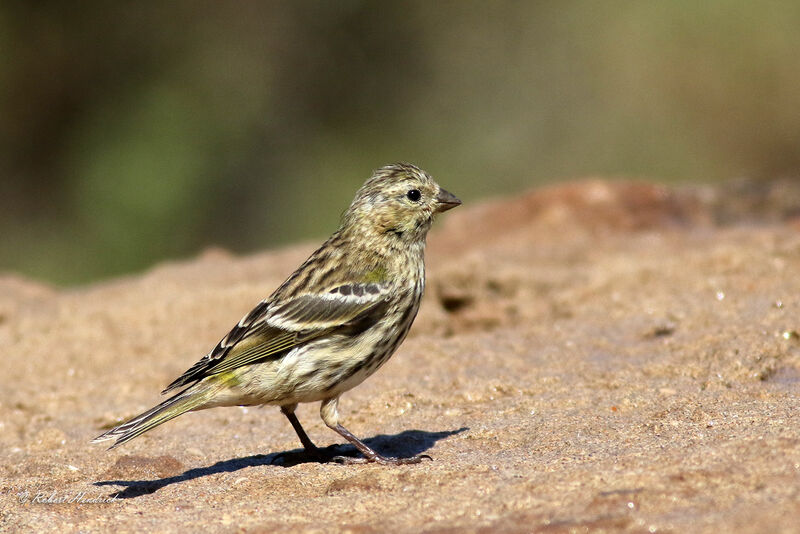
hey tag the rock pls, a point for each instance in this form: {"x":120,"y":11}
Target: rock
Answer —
{"x":597,"y":355}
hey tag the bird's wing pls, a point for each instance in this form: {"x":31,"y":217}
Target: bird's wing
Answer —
{"x":272,"y":329}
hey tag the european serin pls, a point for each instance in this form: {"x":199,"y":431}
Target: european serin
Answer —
{"x":331,"y":324}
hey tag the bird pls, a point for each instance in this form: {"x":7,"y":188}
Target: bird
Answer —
{"x":334,"y":321}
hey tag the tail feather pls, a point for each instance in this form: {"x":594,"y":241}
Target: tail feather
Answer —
{"x":185,"y":401}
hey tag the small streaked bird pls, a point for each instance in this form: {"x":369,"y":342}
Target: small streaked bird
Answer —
{"x":330,"y":325}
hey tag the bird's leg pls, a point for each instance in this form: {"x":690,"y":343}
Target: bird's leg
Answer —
{"x":308,"y":445}
{"x":330,"y":415}
{"x":311,"y":451}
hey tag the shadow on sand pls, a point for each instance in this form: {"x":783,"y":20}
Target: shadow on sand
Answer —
{"x":403,"y":445}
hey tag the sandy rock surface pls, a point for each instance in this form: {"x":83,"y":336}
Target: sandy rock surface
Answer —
{"x":592,"y":357}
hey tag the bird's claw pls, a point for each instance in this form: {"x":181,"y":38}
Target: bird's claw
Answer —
{"x":378,"y":459}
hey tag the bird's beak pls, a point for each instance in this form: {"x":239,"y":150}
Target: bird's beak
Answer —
{"x":446,"y":200}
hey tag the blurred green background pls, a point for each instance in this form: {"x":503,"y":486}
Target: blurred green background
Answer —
{"x":136,"y":132}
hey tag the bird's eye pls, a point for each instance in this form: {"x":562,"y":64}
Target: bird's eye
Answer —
{"x":414,"y":195}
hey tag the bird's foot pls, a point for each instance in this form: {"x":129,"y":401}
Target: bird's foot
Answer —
{"x":378,"y":459}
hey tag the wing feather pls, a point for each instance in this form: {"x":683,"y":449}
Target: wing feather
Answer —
{"x":270,"y":330}
{"x":320,"y":312}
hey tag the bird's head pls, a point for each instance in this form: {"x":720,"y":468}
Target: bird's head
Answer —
{"x":398,"y":201}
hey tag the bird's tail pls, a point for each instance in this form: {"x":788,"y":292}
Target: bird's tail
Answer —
{"x":185,"y":401}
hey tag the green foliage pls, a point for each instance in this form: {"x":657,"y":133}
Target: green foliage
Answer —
{"x":132,"y":133}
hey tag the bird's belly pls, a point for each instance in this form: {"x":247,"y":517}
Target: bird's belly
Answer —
{"x":311,"y":373}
